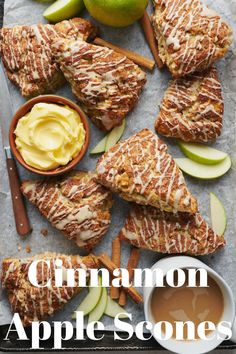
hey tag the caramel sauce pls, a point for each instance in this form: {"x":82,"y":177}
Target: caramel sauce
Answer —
{"x":188,"y":304}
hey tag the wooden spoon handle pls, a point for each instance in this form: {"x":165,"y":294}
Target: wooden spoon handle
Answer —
{"x":21,"y":218}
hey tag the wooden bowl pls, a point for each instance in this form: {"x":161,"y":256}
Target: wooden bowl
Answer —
{"x":24,"y":109}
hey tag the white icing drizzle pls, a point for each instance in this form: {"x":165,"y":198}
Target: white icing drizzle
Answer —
{"x":75,"y":206}
{"x":190,"y":35}
{"x":150,"y":228}
{"x":105,"y":82}
{"x":141,"y":170}
{"x":33,"y":303}
{"x":192,"y":108}
{"x":27,"y":55}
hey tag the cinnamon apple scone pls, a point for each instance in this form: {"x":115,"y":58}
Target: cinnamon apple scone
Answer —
{"x":106,"y":83}
{"x":140,"y":169}
{"x":190,"y":35}
{"x":27,"y":56}
{"x":76,"y":205}
{"x":192,"y":108}
{"x":150,"y":228}
{"x":38,"y":303}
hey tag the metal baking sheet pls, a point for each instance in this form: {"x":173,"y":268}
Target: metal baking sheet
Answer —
{"x":143,"y":116}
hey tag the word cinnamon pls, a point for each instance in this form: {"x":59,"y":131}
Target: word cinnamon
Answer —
{"x":107,"y":263}
{"x":150,"y":37}
{"x":135,"y":57}
{"x":115,"y":292}
{"x":132,"y":264}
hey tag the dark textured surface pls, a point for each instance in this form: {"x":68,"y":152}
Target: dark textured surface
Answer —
{"x":1,"y":11}
{"x":107,"y":343}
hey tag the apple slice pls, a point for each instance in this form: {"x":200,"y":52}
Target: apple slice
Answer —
{"x":113,"y":308}
{"x":63,"y":10}
{"x":91,"y":300}
{"x":98,"y":311}
{"x":202,"y":153}
{"x":218,"y":215}
{"x":201,"y":171}
{"x":100,"y":147}
{"x":115,"y":135}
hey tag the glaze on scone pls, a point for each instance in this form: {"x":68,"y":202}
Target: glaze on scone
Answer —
{"x":37,"y":303}
{"x":106,"y":83}
{"x":27,"y":56}
{"x":76,"y":205}
{"x":140,"y":169}
{"x":190,"y":36}
{"x":192,"y":108}
{"x":153,"y":229}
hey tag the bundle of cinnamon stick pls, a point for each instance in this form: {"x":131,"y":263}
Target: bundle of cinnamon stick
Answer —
{"x":111,"y":264}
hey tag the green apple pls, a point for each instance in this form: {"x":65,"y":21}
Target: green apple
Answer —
{"x":113,"y":308}
{"x":116,"y":13}
{"x":115,"y":135}
{"x":218,"y":215}
{"x":99,"y":310}
{"x":63,"y":10}
{"x":91,"y":300}
{"x":110,"y":139}
{"x":202,"y":153}
{"x":100,"y":147}
{"x":201,"y":171}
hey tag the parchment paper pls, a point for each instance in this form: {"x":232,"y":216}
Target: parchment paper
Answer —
{"x":144,"y":115}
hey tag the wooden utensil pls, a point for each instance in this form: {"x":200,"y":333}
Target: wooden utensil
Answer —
{"x":21,"y":218}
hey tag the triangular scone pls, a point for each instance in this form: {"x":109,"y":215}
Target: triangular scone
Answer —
{"x":150,"y":228}
{"x":139,"y":169}
{"x":27,"y":56}
{"x":76,"y":205}
{"x":192,"y":108}
{"x":105,"y":82}
{"x":190,"y":35}
{"x":37,"y":303}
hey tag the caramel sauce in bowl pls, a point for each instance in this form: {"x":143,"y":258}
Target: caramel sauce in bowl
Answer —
{"x":214,"y":303}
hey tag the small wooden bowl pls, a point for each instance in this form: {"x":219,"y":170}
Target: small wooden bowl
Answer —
{"x":24,"y":109}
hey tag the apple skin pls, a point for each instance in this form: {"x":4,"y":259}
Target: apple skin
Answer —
{"x":99,"y":310}
{"x":218,"y":215}
{"x":113,"y":308}
{"x":70,"y":10}
{"x":116,"y":13}
{"x":201,"y":171}
{"x":115,"y":135}
{"x":202,"y":153}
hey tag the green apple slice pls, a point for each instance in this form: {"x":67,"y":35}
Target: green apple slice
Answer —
{"x":91,"y":300}
{"x":218,"y":215}
{"x":201,"y":171}
{"x":100,"y":147}
{"x":63,"y":10}
{"x":115,"y":135}
{"x":113,"y":308}
{"x":98,"y":311}
{"x":202,"y":153}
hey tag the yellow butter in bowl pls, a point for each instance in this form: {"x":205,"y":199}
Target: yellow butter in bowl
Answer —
{"x":49,"y":136}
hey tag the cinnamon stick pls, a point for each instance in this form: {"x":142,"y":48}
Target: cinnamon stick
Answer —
{"x":107,"y":263}
{"x":150,"y":37}
{"x":132,"y":264}
{"x":115,"y":292}
{"x":135,"y":57}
